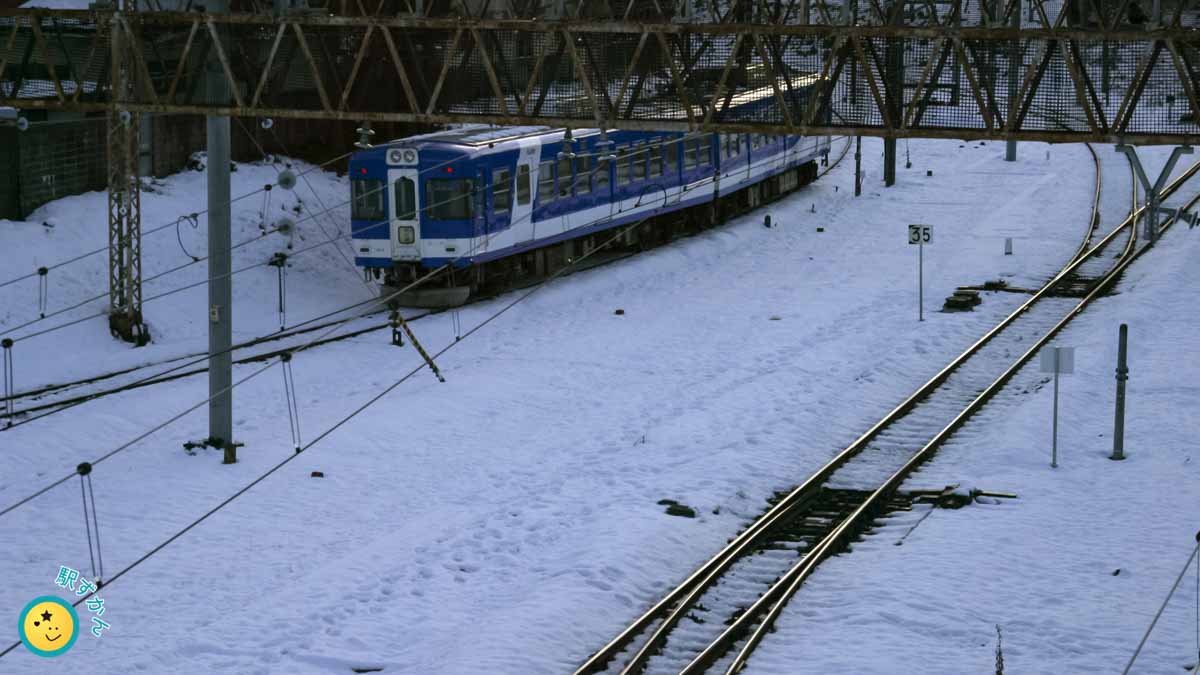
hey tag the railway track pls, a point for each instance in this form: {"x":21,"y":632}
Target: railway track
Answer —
{"x":50,"y":398}
{"x":714,"y":619}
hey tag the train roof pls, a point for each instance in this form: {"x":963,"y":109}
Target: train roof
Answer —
{"x":479,"y":135}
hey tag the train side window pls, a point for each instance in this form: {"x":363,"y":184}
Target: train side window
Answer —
{"x":656,"y":160}
{"x":622,"y":166}
{"x":523,"y":184}
{"x":639,"y":162}
{"x":450,"y":198}
{"x":367,"y":199}
{"x":546,"y":192}
{"x":405,"y":194}
{"x":501,"y":190}
{"x":704,"y":151}
{"x":672,"y":156}
{"x":564,"y":176}
{"x":583,"y":172}
{"x":602,"y":175}
{"x":691,"y":154}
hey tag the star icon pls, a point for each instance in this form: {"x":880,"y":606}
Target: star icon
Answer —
{"x":46,"y":616}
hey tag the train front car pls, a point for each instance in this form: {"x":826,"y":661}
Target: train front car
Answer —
{"x":414,"y":209}
{"x":445,"y":215}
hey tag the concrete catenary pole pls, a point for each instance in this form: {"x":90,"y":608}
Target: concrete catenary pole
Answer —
{"x":220,"y":294}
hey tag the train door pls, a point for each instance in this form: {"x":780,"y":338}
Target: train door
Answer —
{"x":403,"y":198}
{"x":522,"y":204}
{"x":526,"y":184}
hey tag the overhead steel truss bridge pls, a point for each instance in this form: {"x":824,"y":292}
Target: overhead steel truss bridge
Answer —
{"x":920,"y":68}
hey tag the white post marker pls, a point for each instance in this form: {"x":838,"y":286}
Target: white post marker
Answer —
{"x":1057,"y":360}
{"x":920,"y":235}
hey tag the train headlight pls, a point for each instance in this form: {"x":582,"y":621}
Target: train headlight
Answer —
{"x":402,"y":156}
{"x":406,"y":235}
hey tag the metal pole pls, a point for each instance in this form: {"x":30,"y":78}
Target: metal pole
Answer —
{"x":220,"y":295}
{"x":921,"y":281}
{"x":889,"y":162}
{"x":1010,"y":148}
{"x":1152,"y":200}
{"x":1118,"y":452}
{"x":1054,"y":444}
{"x":857,"y":166}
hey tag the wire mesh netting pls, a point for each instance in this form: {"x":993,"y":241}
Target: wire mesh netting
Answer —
{"x":898,"y":82}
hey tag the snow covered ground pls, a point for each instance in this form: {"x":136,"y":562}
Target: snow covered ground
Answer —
{"x":507,"y":520}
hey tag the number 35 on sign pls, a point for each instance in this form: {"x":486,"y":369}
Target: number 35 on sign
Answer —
{"x":920,"y":234}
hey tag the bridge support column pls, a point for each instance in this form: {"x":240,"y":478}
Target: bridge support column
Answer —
{"x":889,"y":162}
{"x":1014,"y":61}
{"x":1154,"y":190}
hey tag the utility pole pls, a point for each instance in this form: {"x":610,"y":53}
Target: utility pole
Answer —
{"x":220,"y":294}
{"x":124,"y":194}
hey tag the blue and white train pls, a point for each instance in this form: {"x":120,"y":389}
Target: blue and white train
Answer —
{"x":503,"y":204}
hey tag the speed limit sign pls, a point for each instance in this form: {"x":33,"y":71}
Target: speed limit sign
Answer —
{"x":920,"y":234}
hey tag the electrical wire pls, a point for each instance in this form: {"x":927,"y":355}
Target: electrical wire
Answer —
{"x":1158,"y":614}
{"x":343,"y":421}
{"x":264,"y":234}
{"x":370,"y":301}
{"x":458,"y":340}
{"x":397,"y":293}
{"x":164,"y":226}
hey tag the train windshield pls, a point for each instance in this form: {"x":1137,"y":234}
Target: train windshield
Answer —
{"x":449,"y":198}
{"x":368,"y":196}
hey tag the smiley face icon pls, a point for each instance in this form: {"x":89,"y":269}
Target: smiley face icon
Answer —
{"x":48,"y":626}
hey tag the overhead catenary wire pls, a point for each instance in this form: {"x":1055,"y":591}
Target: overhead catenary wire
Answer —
{"x":458,"y":340}
{"x":313,"y":190}
{"x":195,"y":260}
{"x":289,"y":394}
{"x":344,"y":420}
{"x":159,"y":228}
{"x":398,"y":292}
{"x":372,"y":300}
{"x":383,"y":300}
{"x":43,"y":290}
{"x":88,"y":493}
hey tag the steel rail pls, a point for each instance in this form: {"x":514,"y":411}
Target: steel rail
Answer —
{"x":787,"y":586}
{"x":811,"y":487}
{"x":686,"y":593}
